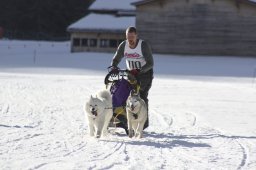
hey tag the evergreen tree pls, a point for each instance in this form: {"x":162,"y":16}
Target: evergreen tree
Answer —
{"x":40,"y":19}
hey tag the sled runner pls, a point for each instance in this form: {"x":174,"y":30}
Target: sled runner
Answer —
{"x":121,"y":83}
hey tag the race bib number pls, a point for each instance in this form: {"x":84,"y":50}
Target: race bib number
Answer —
{"x":134,"y":65}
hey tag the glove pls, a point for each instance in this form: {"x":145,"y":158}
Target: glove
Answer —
{"x":135,"y":72}
{"x":114,"y":70}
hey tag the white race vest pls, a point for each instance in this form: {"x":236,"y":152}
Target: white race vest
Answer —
{"x":134,"y":57}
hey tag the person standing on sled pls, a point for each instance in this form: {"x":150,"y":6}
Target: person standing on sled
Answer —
{"x":139,"y":61}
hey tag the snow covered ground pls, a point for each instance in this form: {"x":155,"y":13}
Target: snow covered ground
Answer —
{"x":202,"y":112}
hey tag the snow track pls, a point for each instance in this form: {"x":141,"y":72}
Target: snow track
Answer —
{"x":43,"y":125}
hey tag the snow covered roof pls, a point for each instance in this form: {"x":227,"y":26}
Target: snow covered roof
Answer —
{"x":102,"y":22}
{"x":112,"y":5}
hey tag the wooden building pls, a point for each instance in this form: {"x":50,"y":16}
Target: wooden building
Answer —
{"x":200,"y":27}
{"x":104,"y":28}
{"x":99,"y":32}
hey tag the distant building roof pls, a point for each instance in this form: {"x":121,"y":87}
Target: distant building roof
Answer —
{"x":112,"y":5}
{"x":102,"y":23}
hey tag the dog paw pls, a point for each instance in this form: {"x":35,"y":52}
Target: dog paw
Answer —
{"x":131,"y":133}
{"x":138,"y":135}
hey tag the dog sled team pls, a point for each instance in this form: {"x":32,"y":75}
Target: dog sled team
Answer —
{"x":125,"y":102}
{"x":119,"y":105}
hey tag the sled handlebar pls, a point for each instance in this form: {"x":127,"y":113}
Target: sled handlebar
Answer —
{"x":115,"y":74}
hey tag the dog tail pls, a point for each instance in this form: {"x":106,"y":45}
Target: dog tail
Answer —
{"x":105,"y":94}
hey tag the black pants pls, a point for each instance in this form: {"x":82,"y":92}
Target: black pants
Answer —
{"x":145,"y":81}
{"x":123,"y":122}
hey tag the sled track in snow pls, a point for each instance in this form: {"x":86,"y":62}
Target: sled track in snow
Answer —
{"x":164,"y":120}
{"x":194,"y":120}
{"x":52,"y":137}
{"x":177,"y":120}
{"x":244,"y":156}
{"x":116,"y":147}
{"x":184,"y":123}
{"x":4,"y":109}
{"x":114,"y":152}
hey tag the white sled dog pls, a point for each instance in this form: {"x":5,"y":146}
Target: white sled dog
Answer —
{"x":99,"y":112}
{"x":136,"y":110}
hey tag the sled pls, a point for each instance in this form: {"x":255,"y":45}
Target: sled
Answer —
{"x":121,"y":83}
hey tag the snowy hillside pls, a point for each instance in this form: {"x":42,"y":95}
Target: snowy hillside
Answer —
{"x":202,"y":112}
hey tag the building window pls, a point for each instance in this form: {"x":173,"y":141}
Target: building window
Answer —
{"x":113,"y":43}
{"x":76,"y":42}
{"x":93,"y":42}
{"x":104,"y":43}
{"x":84,"y":42}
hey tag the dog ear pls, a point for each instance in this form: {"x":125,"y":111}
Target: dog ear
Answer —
{"x":133,"y":92}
